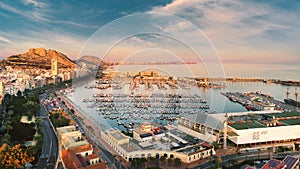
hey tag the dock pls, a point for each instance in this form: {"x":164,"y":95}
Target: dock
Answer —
{"x":258,"y":101}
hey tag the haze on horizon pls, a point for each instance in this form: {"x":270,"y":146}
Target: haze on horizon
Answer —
{"x":242,"y":32}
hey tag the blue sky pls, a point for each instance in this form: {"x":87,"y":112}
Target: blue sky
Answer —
{"x":238,"y":31}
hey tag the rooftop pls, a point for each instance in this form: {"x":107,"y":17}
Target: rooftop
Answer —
{"x":174,"y":140}
{"x":70,"y":159}
{"x":92,"y":156}
{"x":80,"y":149}
{"x":285,"y":114}
{"x":247,"y":125}
{"x":118,"y":135}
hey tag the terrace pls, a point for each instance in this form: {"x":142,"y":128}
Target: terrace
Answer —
{"x":285,"y":114}
{"x":291,"y":121}
{"x":247,"y":125}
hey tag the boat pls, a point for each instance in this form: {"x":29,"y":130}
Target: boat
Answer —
{"x":292,"y":102}
{"x":249,"y":107}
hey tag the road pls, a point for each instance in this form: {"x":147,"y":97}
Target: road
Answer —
{"x":106,"y":155}
{"x":50,"y":147}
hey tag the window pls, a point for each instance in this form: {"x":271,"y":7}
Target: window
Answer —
{"x":166,"y":155}
{"x":171,"y":155}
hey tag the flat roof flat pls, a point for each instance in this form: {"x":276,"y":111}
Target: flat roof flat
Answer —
{"x":248,"y":125}
{"x":285,"y":114}
{"x":291,"y":121}
{"x":118,"y":135}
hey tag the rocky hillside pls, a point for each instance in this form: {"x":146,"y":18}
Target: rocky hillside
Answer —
{"x":39,"y":58}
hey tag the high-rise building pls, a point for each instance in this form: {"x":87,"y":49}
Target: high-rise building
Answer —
{"x":54,"y":67}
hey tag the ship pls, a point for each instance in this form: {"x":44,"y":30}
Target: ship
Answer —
{"x":292,"y":102}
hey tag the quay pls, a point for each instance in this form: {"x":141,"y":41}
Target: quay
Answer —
{"x":258,"y":101}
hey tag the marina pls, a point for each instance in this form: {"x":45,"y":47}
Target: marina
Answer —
{"x":119,"y":105}
{"x":142,"y":107}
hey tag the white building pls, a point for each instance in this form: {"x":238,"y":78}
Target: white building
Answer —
{"x":245,"y":129}
{"x":170,"y":147}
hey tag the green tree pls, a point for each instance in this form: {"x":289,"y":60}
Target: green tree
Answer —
{"x":215,"y":145}
{"x":170,"y":160}
{"x":5,"y":139}
{"x":31,"y":108}
{"x":162,"y":159}
{"x":177,"y":162}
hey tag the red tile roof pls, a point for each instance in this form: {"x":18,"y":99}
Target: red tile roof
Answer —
{"x":80,"y":149}
{"x":96,"y":166}
{"x":92,"y":156}
{"x":70,"y":160}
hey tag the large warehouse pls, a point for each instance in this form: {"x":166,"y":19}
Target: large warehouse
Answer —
{"x":245,"y":129}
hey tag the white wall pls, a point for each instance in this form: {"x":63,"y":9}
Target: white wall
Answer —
{"x":266,"y":134}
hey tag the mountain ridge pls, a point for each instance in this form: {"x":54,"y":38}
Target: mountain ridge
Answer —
{"x":40,"y":58}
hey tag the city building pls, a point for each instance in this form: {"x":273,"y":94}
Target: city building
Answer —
{"x":150,"y":141}
{"x":76,"y":152}
{"x":289,"y":162}
{"x":70,"y":137}
{"x":54,"y":70}
{"x":245,"y":129}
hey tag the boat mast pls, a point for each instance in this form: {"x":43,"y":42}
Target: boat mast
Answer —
{"x":287,"y":92}
{"x":296,"y":93}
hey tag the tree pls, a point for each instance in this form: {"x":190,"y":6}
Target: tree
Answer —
{"x":219,"y":161}
{"x":31,"y":108}
{"x":13,"y":157}
{"x":8,"y":126}
{"x":177,"y":162}
{"x":215,"y":145}
{"x":162,"y":158}
{"x":5,"y":139}
{"x":152,"y":159}
{"x":170,"y":160}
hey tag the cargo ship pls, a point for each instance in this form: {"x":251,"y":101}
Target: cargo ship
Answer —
{"x":292,"y":102}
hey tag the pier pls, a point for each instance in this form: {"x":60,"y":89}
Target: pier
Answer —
{"x":258,"y":101}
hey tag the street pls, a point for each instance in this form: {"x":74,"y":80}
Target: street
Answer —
{"x":49,"y":153}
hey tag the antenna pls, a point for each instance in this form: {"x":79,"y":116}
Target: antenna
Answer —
{"x":287,"y":92}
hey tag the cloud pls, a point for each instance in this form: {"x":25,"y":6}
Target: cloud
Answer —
{"x":40,"y":16}
{"x":35,"y":3}
{"x":237,"y":28}
{"x":3,"y":39}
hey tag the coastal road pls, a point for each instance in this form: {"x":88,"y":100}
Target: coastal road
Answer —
{"x":50,"y":147}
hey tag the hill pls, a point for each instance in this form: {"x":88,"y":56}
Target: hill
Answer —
{"x":90,"y":62}
{"x":38,"y":58}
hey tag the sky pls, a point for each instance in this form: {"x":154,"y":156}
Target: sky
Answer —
{"x":227,"y":31}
